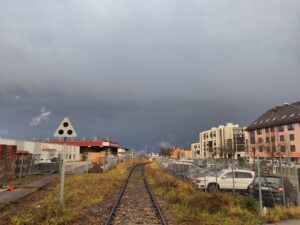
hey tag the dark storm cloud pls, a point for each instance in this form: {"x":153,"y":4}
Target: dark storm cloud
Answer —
{"x":145,"y":72}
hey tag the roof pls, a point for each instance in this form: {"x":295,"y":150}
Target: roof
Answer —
{"x":280,"y":115}
{"x":98,"y":143}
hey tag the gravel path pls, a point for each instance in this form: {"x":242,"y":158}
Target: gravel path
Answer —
{"x":136,"y":206}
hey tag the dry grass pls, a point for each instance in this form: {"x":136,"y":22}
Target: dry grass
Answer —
{"x":191,"y":206}
{"x":281,"y":213}
{"x":81,"y":191}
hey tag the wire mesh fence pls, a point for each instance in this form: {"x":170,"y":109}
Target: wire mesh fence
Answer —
{"x":15,"y":165}
{"x":272,"y":181}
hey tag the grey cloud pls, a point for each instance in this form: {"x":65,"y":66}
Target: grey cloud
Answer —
{"x":137,"y":71}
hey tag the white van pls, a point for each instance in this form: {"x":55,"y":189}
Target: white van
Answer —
{"x":223,"y":180}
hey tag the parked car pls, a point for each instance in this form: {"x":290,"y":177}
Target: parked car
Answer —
{"x":200,"y":162}
{"x":194,"y":173}
{"x":288,"y":165}
{"x":223,"y":179}
{"x":210,"y":163}
{"x":284,"y":164}
{"x":273,"y":190}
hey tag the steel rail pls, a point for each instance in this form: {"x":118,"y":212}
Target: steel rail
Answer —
{"x":154,"y":201}
{"x":119,"y":197}
{"x":121,"y":192}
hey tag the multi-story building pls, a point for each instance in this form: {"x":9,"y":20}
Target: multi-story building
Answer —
{"x":224,"y":141}
{"x":197,"y":152}
{"x":276,"y":133}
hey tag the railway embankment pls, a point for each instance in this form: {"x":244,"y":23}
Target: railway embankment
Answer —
{"x":84,"y":194}
{"x":190,"y":206}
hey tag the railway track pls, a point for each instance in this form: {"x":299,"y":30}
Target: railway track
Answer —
{"x":135,"y":203}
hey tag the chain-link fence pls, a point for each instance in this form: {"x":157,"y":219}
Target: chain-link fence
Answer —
{"x":272,"y":181}
{"x":19,"y":165}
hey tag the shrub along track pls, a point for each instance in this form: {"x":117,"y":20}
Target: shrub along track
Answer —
{"x":135,"y":203}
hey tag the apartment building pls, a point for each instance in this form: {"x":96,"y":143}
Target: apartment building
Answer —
{"x":224,"y":141}
{"x":197,"y":152}
{"x":276,"y":133}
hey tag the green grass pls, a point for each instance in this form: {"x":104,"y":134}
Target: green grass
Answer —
{"x":81,"y":191}
{"x":281,"y":213}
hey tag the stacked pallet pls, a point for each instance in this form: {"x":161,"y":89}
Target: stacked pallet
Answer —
{"x":97,"y":157}
{"x":8,"y":156}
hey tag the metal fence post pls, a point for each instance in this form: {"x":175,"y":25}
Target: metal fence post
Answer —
{"x":297,"y":170}
{"x":216,"y":174}
{"x":21,"y":166}
{"x":259,"y":187}
{"x":233,"y":175}
{"x":282,"y":183}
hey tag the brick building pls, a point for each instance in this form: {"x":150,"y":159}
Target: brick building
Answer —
{"x":276,"y":133}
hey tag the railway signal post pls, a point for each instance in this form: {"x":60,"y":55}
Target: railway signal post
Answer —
{"x":65,"y":130}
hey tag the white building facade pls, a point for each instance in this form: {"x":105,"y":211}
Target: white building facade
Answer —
{"x":45,"y":151}
{"x":224,"y":141}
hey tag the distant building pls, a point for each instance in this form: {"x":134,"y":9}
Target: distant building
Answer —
{"x":179,"y":153}
{"x":276,"y":133}
{"x":45,"y":150}
{"x":224,"y":141}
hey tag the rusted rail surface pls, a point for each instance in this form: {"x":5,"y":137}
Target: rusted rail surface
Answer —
{"x":132,"y":204}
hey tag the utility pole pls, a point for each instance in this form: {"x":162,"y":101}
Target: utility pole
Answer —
{"x":62,"y":176}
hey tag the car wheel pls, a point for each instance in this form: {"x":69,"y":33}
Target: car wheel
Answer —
{"x":212,"y":187}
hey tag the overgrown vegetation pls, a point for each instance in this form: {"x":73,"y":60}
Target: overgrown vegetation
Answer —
{"x":81,"y":191}
{"x":281,"y":213}
{"x":191,"y":206}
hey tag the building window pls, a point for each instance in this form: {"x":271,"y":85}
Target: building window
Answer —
{"x":281,"y":138}
{"x":267,"y":130}
{"x":272,"y":129}
{"x":260,"y":140}
{"x":258,"y":131}
{"x":292,"y":137}
{"x":293,"y":148}
{"x":290,"y":126}
{"x":282,"y":148}
{"x":273,"y":148}
{"x":260,"y":148}
{"x":273,"y":139}
{"x":268,"y":139}
{"x":280,"y":128}
{"x":268,"y":149}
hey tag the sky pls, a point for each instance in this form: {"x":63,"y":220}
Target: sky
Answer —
{"x":144,"y":73}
